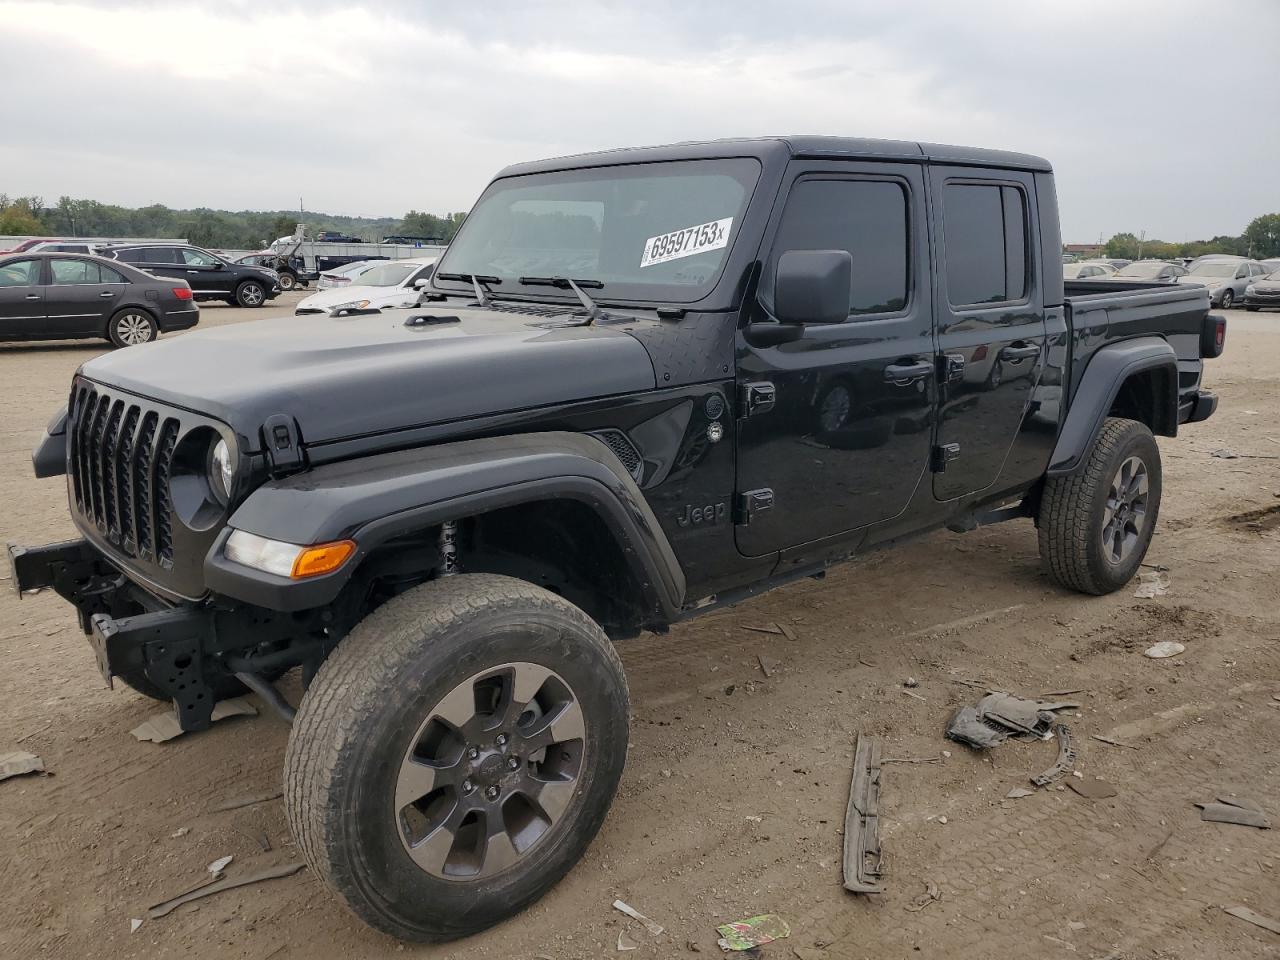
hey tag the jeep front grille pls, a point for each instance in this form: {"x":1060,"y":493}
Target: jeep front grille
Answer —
{"x":121,"y":451}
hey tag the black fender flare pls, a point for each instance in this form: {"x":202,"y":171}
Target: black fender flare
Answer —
{"x":373,"y":499}
{"x":1106,"y":372}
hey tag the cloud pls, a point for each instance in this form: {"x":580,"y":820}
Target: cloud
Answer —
{"x":376,"y":107}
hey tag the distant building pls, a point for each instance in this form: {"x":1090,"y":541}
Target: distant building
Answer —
{"x":1085,"y":250}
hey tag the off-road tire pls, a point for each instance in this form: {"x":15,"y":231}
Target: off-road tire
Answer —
{"x":251,"y":293}
{"x":1073,"y":507}
{"x":287,"y":281}
{"x":363,"y":711}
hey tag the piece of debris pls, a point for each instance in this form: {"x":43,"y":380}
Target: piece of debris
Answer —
{"x":264,"y":841}
{"x":752,"y":932}
{"x":627,"y":943}
{"x":134,"y":924}
{"x":862,"y":859}
{"x":1226,"y":454}
{"x":1151,"y":585}
{"x":930,"y":895}
{"x":1242,"y":813}
{"x":245,"y":802}
{"x":772,"y":628}
{"x":210,"y":887}
{"x":999,"y":716}
{"x":914,"y":696}
{"x":1017,"y":793}
{"x":1095,"y":789}
{"x":910,"y":760}
{"x":1257,"y":919}
{"x":767,"y":667}
{"x":164,"y":726}
{"x":1115,"y":743}
{"x":943,"y":821}
{"x":1164,"y":649}
{"x":220,"y":864}
{"x":911,"y":682}
{"x":1066,"y":757}
{"x":650,"y":925}
{"x":180,"y":832}
{"x":788,"y":632}
{"x":18,"y":763}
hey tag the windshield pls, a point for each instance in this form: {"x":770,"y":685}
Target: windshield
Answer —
{"x":656,"y":231}
{"x":388,"y":274}
{"x":1145,"y":270}
{"x":1215,"y":268}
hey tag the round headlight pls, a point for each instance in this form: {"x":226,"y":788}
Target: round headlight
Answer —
{"x":221,"y":470}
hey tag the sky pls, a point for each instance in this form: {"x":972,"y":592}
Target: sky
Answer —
{"x":1158,"y":115}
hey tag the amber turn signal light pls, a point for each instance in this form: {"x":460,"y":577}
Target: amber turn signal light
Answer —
{"x":322,"y":558}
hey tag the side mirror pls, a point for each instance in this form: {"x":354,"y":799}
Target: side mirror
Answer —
{"x":421,"y":283}
{"x":812,"y":286}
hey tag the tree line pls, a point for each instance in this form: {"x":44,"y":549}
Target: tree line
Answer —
{"x":1260,"y":240}
{"x":229,"y":229}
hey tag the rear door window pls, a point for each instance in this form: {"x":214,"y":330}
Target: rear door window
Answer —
{"x":73,"y":271}
{"x":198,"y":258}
{"x":159,"y":255}
{"x":985,"y":238}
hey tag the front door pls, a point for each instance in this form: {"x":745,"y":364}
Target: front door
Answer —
{"x":846,"y":440}
{"x":81,"y":297}
{"x":21,"y":298}
{"x":991,"y":326}
{"x":204,"y":272}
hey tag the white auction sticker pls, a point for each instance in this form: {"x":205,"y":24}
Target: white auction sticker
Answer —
{"x":686,"y":242}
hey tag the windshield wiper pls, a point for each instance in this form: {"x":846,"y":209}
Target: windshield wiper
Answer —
{"x":564,"y":283}
{"x":478,"y":283}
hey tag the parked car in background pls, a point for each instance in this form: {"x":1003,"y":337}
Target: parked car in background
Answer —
{"x":59,"y":296}
{"x":1264,"y":291}
{"x":1271,"y":266}
{"x":335,"y":236}
{"x":413,"y":241}
{"x":210,"y":276}
{"x":1225,"y":278}
{"x":28,"y":245}
{"x":1151,"y":271}
{"x":345,"y":275}
{"x":1087,"y":270}
{"x":290,"y":270}
{"x":1118,"y":262}
{"x":391,"y":283}
{"x":64,"y":246}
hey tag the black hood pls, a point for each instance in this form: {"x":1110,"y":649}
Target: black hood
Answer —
{"x":352,"y":376}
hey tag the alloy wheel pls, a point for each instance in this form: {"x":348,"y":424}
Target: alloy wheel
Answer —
{"x":133,"y":328}
{"x":251,"y":295}
{"x":490,"y":772}
{"x":1228,"y":298}
{"x":1125,"y":515}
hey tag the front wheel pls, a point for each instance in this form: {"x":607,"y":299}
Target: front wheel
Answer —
{"x":131,"y":327}
{"x":251,"y":294}
{"x":1095,"y":524}
{"x":288,"y":281}
{"x":456,"y":754}
{"x":1228,"y":298}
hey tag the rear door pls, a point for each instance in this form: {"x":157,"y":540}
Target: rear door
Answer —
{"x":845,"y":440}
{"x":80,"y":297}
{"x":991,"y":323}
{"x":160,"y":262}
{"x":22,"y":298}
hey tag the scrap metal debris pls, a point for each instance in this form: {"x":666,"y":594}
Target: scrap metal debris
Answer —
{"x":164,"y":726}
{"x":652,"y":926}
{"x":862,"y":858}
{"x":18,"y":763}
{"x":212,"y":886}
{"x":1257,"y":919}
{"x":1152,"y":585}
{"x":1017,"y":793}
{"x":931,"y":895}
{"x":752,"y":932}
{"x":220,"y":864}
{"x":1243,"y":813}
{"x":627,"y":943}
{"x":767,"y":666}
{"x":1066,"y":757}
{"x":998,"y":716}
{"x":1094,"y":789}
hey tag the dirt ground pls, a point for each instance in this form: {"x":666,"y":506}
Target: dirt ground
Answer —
{"x":736,"y":784}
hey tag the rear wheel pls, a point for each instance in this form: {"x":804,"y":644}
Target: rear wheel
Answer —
{"x":251,"y":294}
{"x":1096,"y":524}
{"x":456,"y":754}
{"x":132,"y":326}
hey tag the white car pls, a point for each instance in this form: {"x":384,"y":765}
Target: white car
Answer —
{"x":1087,"y":270}
{"x":390,"y":283}
{"x":344,"y":275}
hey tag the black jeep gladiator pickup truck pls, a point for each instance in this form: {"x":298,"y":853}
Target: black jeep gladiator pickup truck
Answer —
{"x":642,"y":384}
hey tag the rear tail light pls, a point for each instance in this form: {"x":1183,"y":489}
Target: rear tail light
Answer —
{"x":1213,"y":337}
{"x":182,"y":293}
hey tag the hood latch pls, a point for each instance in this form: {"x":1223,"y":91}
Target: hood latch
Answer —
{"x":283,"y":443}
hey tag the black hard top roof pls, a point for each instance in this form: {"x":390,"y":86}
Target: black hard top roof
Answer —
{"x":812,"y":147}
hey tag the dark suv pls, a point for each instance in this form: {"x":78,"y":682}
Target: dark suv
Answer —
{"x":210,"y":276}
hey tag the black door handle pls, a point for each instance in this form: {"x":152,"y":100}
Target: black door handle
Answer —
{"x":906,"y":372}
{"x":1015,"y":352}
